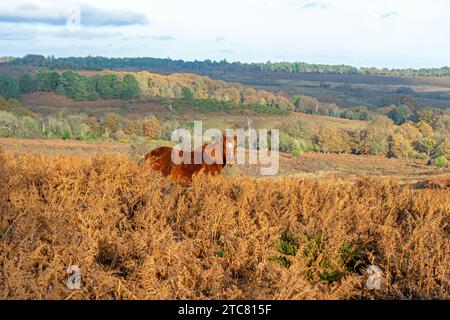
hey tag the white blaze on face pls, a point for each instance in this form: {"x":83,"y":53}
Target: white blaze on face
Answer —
{"x":230,"y":147}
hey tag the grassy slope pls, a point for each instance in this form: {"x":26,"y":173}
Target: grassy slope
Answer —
{"x":372,"y":91}
{"x":50,"y":103}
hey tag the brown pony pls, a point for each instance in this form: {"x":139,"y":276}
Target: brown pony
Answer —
{"x":160,"y":159}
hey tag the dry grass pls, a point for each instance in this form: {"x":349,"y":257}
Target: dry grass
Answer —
{"x":309,"y":165}
{"x":437,"y":182}
{"x":135,"y":234}
{"x":47,"y":103}
{"x":68,"y":147}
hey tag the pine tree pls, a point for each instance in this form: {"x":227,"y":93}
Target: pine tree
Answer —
{"x":9,"y":89}
{"x":27,"y":84}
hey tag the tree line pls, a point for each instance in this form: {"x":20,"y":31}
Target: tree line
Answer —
{"x":427,"y":138}
{"x":79,"y":87}
{"x":169,"y":65}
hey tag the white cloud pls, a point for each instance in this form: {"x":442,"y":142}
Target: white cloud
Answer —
{"x":399,"y":33}
{"x":389,"y":14}
{"x":57,"y":13}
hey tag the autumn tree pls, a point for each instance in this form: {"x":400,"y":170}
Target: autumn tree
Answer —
{"x":152,"y":128}
{"x":299,"y":129}
{"x":409,"y":131}
{"x":375,"y":138}
{"x":428,"y":115}
{"x":111,"y":123}
{"x":94,"y":125}
{"x":330,"y":139}
{"x":424,"y":128}
{"x":425,"y":145}
{"x":441,"y":148}
{"x":132,"y":127}
{"x":442,"y":124}
{"x":399,"y":147}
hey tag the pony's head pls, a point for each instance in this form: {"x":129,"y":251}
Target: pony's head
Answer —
{"x":229,"y":147}
{"x":222,"y":148}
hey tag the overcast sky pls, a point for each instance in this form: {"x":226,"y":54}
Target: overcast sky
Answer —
{"x":381,"y":33}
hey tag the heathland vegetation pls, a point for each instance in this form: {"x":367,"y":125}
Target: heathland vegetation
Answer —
{"x":145,"y":237}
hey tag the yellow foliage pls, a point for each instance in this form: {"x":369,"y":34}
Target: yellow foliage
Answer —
{"x":409,"y":131}
{"x":399,"y":146}
{"x":170,"y":86}
{"x":152,"y":128}
{"x":424,"y":128}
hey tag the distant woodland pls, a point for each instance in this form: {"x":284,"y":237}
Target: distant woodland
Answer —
{"x":198,"y":90}
{"x":169,"y":65}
